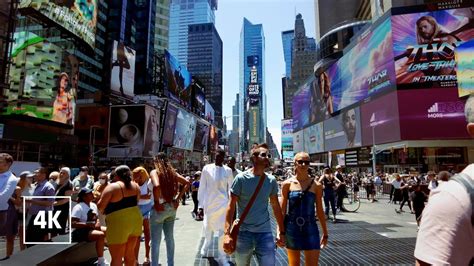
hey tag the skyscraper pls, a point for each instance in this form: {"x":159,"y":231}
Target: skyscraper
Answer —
{"x":182,"y":14}
{"x":287,"y":39}
{"x":162,"y":23}
{"x":252,"y":79}
{"x":205,"y":62}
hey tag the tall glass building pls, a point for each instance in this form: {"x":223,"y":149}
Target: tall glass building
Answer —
{"x":287,"y":40}
{"x":162,"y":22}
{"x":182,"y":14}
{"x":251,"y":55}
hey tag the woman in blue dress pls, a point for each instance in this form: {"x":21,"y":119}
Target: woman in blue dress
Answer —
{"x":301,"y":195}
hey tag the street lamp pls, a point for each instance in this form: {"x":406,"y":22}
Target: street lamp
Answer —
{"x":374,"y":156}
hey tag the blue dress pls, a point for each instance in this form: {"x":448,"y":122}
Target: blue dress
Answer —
{"x":300,"y":223}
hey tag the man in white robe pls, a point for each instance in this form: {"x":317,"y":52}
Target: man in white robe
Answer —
{"x":213,"y":197}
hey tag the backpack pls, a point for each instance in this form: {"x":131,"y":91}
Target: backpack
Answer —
{"x":466,"y":181}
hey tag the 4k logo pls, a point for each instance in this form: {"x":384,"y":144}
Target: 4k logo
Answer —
{"x":52,"y":221}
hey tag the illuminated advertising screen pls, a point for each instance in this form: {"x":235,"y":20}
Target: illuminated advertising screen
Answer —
{"x":298,"y":141}
{"x":170,"y":124}
{"x":287,"y":135}
{"x":213,"y":137}
{"x":343,"y":131}
{"x":210,"y":113}
{"x":424,"y":46}
{"x":177,"y":81}
{"x":202,"y":136}
{"x":254,"y":125}
{"x":300,"y":104}
{"x":126,"y":132}
{"x":431,"y":114}
{"x":43,"y":80}
{"x":465,"y":68}
{"x":79,"y":17}
{"x":253,"y":89}
{"x":152,"y":132}
{"x":198,"y":99}
{"x":314,"y":139}
{"x":381,"y":117}
{"x":364,"y":70}
{"x":122,"y":78}
{"x":185,"y":130}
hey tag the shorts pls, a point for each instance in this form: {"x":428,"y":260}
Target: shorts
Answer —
{"x":123,"y":224}
{"x":305,"y":237}
{"x":145,"y":209}
{"x":10,"y":227}
{"x":81,"y":234}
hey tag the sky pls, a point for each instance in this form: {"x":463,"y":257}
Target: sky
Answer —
{"x":275,"y":16}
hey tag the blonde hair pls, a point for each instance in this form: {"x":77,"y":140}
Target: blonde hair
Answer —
{"x":140,"y":172}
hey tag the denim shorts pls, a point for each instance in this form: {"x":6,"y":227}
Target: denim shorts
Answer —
{"x":145,"y":209}
{"x":302,"y":233}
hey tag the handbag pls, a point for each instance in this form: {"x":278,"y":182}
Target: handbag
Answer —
{"x":235,"y":227}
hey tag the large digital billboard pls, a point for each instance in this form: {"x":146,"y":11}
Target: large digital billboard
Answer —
{"x":185,"y":130}
{"x":381,"y":117}
{"x":170,"y":124}
{"x":79,"y":17}
{"x":43,"y":80}
{"x":424,"y":46}
{"x":177,"y":81}
{"x":343,"y":131}
{"x":314,"y":138}
{"x":300,"y":106}
{"x":364,"y":70}
{"x":122,"y":78}
{"x":152,"y":132}
{"x":287,"y":136}
{"x":431,"y":114}
{"x":126,"y":132}
{"x":465,"y":68}
{"x":298,"y":141}
{"x":198,"y":98}
{"x":202,"y":136}
{"x":210,"y":113}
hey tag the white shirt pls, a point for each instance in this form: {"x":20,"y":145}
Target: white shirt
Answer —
{"x":8,"y":183}
{"x":396,"y":184}
{"x":432,"y":185}
{"x":446,"y":234}
{"x":81,"y":209}
{"x":145,"y":189}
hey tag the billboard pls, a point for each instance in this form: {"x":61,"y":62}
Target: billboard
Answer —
{"x":381,"y":117}
{"x":210,"y":114}
{"x":431,"y":114}
{"x":170,"y":124}
{"x":300,"y":104}
{"x":287,"y":135}
{"x":343,"y":131}
{"x":177,"y":81}
{"x":465,"y":68}
{"x":43,"y":80}
{"x":198,"y":98}
{"x":213,"y":138}
{"x":126,"y":132}
{"x":298,"y":141}
{"x":122,"y":78}
{"x":254,"y":124}
{"x":314,"y":138}
{"x":424,"y":46}
{"x":77,"y":17}
{"x":202,"y":136}
{"x":364,"y":70}
{"x":185,"y":130}
{"x":253,"y":89}
{"x":152,"y":130}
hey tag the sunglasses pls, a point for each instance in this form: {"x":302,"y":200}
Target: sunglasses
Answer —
{"x":303,"y":162}
{"x":263,"y":155}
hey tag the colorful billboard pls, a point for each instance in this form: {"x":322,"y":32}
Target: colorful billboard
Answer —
{"x":177,"y":81}
{"x":126,"y":132}
{"x":381,"y":117}
{"x":343,"y":131}
{"x":79,"y":17}
{"x":364,"y":70}
{"x":298,"y":141}
{"x":43,"y":80}
{"x":300,"y":104}
{"x":152,"y":130}
{"x":213,"y":138}
{"x":202,"y":136}
{"x":287,"y":136}
{"x":431,"y":114}
{"x":122,"y":78}
{"x":170,"y":124}
{"x":314,"y":138}
{"x":210,"y":114}
{"x":185,"y":130}
{"x":465,"y":68}
{"x":424,"y":46}
{"x":198,"y":98}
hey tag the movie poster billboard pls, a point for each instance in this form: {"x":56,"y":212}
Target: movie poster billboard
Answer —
{"x":202,"y":136}
{"x":298,"y":141}
{"x":43,"y":80}
{"x":465,"y":68}
{"x":170,"y":124}
{"x":343,"y":131}
{"x":364,"y":70}
{"x":381,"y":117}
{"x":122,"y":78}
{"x":287,"y":135}
{"x":126,"y":132}
{"x":424,"y":46}
{"x":314,"y":138}
{"x":431,"y":114}
{"x":177,"y":81}
{"x":214,"y":139}
{"x":300,"y":104}
{"x":210,"y":113}
{"x":77,"y":17}
{"x":185,"y":130}
{"x":152,"y":130}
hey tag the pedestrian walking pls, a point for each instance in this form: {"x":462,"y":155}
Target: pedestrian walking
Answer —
{"x":329,"y":181}
{"x":396,"y":188}
{"x":418,"y":199}
{"x":405,"y":189}
{"x":8,"y":182}
{"x":194,"y":195}
{"x":61,"y":205}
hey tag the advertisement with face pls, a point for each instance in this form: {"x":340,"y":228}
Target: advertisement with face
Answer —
{"x":343,"y":131}
{"x":152,"y":129}
{"x":170,"y":124}
{"x":364,"y":70}
{"x":465,"y":68}
{"x":202,"y":136}
{"x":301,"y":102}
{"x":431,"y":114}
{"x":381,"y":116}
{"x":126,"y":133}
{"x":177,"y":81}
{"x":314,"y":139}
{"x":287,"y":135}
{"x":122,"y":78}
{"x":424,"y":46}
{"x":213,"y":137}
{"x":43,"y":80}
{"x":185,"y":130}
{"x":79,"y":17}
{"x":298,"y":141}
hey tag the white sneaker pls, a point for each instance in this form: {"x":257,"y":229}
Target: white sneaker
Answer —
{"x":102,"y":262}
{"x":203,"y":252}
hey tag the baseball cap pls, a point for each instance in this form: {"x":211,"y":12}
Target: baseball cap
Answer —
{"x":84,"y":191}
{"x":27,"y":174}
{"x":197,"y":173}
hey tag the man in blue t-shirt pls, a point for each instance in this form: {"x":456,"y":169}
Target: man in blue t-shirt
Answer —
{"x":255,"y":235}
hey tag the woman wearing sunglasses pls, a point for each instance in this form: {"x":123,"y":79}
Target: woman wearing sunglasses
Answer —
{"x":300,"y":194}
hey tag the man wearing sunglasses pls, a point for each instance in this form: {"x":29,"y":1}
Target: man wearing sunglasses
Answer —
{"x":255,"y":235}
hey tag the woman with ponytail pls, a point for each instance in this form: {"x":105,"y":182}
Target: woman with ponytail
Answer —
{"x":119,"y":200}
{"x":166,"y":197}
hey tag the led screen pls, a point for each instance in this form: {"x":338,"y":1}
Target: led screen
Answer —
{"x":343,"y":131}
{"x":170,"y":124}
{"x":202,"y":137}
{"x":177,"y":80}
{"x":126,"y":133}
{"x":185,"y":130}
{"x":287,"y":135}
{"x":300,"y":106}
{"x":465,"y":68}
{"x":122,"y":79}
{"x":314,"y":139}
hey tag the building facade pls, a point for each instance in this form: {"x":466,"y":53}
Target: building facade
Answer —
{"x":287,"y":41}
{"x":162,"y":23}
